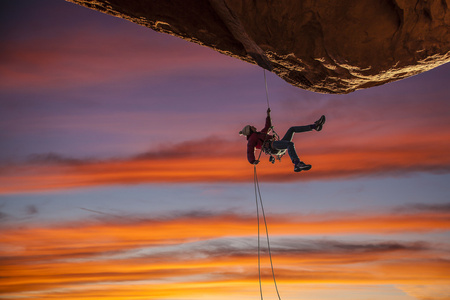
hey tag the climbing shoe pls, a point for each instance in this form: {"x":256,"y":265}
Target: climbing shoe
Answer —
{"x":301,"y":166}
{"x":319,"y":123}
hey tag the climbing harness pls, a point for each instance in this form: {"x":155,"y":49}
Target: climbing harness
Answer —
{"x":259,"y":203}
{"x":268,"y":148}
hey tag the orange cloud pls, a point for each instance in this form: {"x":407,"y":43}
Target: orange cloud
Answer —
{"x":191,"y":256}
{"x":225,"y":161}
{"x":426,"y":292}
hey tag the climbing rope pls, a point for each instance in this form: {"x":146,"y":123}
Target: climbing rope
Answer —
{"x":267,"y":92}
{"x":259,"y":202}
{"x":259,"y":199}
{"x":268,"y":107}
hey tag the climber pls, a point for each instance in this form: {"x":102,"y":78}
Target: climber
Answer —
{"x":267,"y":142}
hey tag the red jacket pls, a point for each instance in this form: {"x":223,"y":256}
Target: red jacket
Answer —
{"x":256,"y":140}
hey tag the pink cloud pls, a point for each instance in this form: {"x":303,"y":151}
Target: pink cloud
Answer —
{"x":88,"y":57}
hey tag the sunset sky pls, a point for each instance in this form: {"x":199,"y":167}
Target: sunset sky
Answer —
{"x":122,"y":174}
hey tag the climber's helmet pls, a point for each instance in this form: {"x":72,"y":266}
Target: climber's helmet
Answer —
{"x":247,"y":130}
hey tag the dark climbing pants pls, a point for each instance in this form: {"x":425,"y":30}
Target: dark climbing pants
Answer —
{"x":286,"y":142}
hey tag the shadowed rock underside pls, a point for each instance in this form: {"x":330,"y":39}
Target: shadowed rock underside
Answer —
{"x":319,"y":45}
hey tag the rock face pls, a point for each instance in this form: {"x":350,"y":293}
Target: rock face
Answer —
{"x":327,"y":46}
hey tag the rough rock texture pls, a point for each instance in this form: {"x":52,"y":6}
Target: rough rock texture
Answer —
{"x":328,"y":46}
